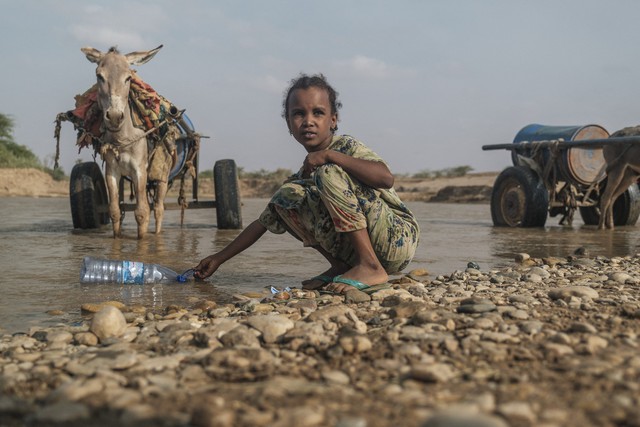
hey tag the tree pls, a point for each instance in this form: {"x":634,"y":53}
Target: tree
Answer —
{"x":6,"y":128}
{"x":13,"y":155}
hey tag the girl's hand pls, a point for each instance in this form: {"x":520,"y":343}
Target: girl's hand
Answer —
{"x":313,"y":161}
{"x":207,"y":267}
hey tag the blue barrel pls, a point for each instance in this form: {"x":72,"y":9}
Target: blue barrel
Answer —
{"x":183,"y":144}
{"x":582,"y":166}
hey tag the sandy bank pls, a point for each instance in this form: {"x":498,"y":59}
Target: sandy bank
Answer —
{"x":473,"y":187}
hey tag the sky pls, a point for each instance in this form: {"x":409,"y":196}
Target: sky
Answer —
{"x":424,"y":83}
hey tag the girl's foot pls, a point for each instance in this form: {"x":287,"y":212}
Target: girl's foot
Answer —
{"x":360,"y":274}
{"x":321,"y":280}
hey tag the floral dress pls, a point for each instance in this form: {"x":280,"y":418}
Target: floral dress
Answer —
{"x":319,"y":211}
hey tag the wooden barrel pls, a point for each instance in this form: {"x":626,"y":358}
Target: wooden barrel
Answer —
{"x":581,"y":166}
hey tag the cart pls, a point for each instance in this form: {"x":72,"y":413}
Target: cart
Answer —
{"x":89,"y":198}
{"x":556,"y":171}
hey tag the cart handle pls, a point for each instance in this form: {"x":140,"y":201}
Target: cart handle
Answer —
{"x":561,"y":143}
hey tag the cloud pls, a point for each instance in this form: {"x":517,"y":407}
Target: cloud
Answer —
{"x":270,"y":84}
{"x":371,"y":68}
{"x":121,"y":24}
{"x":104,"y":37}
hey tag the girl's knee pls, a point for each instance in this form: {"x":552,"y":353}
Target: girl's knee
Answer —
{"x":330,"y":175}
{"x":289,"y":194}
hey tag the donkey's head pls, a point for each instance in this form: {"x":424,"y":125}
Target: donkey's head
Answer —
{"x":114,"y":77}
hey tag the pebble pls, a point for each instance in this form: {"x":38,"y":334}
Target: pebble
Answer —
{"x":573,"y":291}
{"x":544,"y":342}
{"x":62,"y":412}
{"x":476,"y":308}
{"x":108,"y":322}
{"x":449,"y":419}
{"x":438,"y":372}
{"x":271,"y":327}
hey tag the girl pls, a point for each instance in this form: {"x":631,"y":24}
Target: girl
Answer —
{"x":341,"y":202}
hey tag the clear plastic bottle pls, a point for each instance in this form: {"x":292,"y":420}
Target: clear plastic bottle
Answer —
{"x":95,"y":270}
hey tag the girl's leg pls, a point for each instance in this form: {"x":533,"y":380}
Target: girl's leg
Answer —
{"x":372,"y":236}
{"x":304,"y":216}
{"x":367,"y":268}
{"x":337,"y":267}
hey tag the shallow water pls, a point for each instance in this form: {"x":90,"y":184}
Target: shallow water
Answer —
{"x":40,"y":254}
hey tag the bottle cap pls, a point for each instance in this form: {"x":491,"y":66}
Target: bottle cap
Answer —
{"x":185,"y":276}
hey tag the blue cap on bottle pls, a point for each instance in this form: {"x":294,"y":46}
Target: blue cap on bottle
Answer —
{"x":185,"y":276}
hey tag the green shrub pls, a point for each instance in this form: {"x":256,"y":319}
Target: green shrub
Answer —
{"x":13,"y":155}
{"x":446,"y":173}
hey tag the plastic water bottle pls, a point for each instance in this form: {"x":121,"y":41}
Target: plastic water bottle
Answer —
{"x":95,"y":270}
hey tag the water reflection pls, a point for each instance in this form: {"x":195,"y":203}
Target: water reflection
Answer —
{"x":559,"y":241}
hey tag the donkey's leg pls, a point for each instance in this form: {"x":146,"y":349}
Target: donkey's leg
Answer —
{"x":112,"y":179}
{"x":142,"y":203}
{"x":629,"y":178}
{"x":615,"y":186}
{"x":158,"y":209}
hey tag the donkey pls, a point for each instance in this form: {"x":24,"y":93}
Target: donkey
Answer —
{"x":124,"y":146}
{"x":623,"y":170}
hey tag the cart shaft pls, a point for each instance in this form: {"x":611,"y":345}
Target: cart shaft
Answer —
{"x":560,"y":143}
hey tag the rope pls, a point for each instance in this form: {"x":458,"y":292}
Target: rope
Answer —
{"x":182,"y":201}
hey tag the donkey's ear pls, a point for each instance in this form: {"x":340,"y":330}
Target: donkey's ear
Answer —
{"x":139,"y":58}
{"x":92,"y":54}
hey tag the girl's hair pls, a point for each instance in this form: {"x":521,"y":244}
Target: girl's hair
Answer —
{"x":304,"y":81}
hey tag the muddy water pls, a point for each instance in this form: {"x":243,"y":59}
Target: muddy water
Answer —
{"x":40,"y":255}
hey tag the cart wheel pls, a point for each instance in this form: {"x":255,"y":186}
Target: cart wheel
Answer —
{"x":225,"y":179}
{"x":88,"y":196}
{"x":519,"y":199}
{"x":626,"y":209}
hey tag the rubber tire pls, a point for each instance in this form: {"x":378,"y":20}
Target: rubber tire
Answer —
{"x":626,"y":209}
{"x":519,"y":199}
{"x":227,"y":191}
{"x":88,"y":196}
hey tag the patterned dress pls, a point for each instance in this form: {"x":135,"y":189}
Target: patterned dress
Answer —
{"x":320,"y":209}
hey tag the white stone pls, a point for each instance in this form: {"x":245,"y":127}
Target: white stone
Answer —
{"x":109,"y":322}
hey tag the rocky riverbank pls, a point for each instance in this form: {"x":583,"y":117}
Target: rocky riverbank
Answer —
{"x":545,"y":342}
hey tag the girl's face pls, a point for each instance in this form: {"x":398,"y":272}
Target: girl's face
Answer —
{"x":310,"y":118}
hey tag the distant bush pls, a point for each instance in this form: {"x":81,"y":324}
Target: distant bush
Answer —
{"x":206,"y":174}
{"x":443,"y":173}
{"x":57,"y":174}
{"x":279,"y":174}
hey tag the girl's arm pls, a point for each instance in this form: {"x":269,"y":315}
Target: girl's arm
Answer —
{"x":373,"y":174}
{"x":245,"y":239}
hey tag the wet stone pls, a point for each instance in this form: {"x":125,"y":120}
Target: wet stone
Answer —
{"x":271,"y":327}
{"x":437,"y":372}
{"x":567,"y":292}
{"x":240,"y":336}
{"x":582,"y":327}
{"x":476,"y":308}
{"x":63,"y":412}
{"x":355,"y":296}
{"x":408,"y":309}
{"x":456,"y":419}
